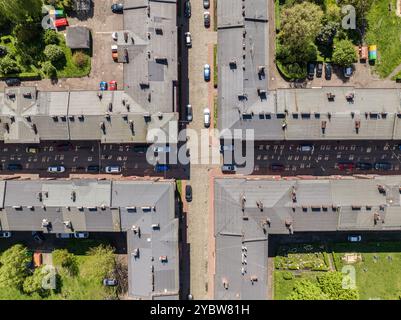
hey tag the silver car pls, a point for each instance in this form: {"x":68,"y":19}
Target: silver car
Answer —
{"x":189,"y":112}
{"x":56,"y":169}
{"x":206,"y":117}
{"x":112,"y":169}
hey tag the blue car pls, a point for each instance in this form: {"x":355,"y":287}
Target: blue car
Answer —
{"x":161,"y":167}
{"x":206,"y":72}
{"x":103,"y":86}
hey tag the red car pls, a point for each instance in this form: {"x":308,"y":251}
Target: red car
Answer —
{"x":61,"y":22}
{"x":113,"y":85}
{"x":346,"y":166}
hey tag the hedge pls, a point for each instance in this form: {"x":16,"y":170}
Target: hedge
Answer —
{"x":22,"y":76}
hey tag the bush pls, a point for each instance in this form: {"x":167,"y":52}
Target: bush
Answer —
{"x":51,"y":37}
{"x":62,"y":258}
{"x":288,"y":275}
{"x":54,"y":53}
{"x":80,"y":59}
{"x":9,"y":65}
{"x":67,"y":5}
{"x":49,"y":70}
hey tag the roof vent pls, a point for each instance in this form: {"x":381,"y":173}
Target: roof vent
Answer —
{"x":126,"y":37}
{"x":67,"y":224}
{"x":225,"y":284}
{"x":350,"y":97}
{"x":242,"y":201}
{"x":163,"y":259}
{"x":331,"y":96}
{"x":135,"y":253}
{"x":357,"y":126}
{"x":73,"y":196}
{"x":110,"y":108}
{"x":155,"y":226}
{"x":259,"y":204}
{"x":45,"y":223}
{"x":100,"y":95}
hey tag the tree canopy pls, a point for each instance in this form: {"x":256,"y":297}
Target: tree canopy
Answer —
{"x":13,"y":270}
{"x":20,"y":11}
{"x":344,"y":53}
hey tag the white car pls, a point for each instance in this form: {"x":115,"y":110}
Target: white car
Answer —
{"x":226,"y":148}
{"x":5,"y":234}
{"x":354,"y":238}
{"x":206,"y":117}
{"x":64,"y":235}
{"x":81,"y":235}
{"x":189,"y":112}
{"x":112,"y":169}
{"x":161,"y":149}
{"x":114,"y":35}
{"x":188,"y":39}
{"x":56,"y":169}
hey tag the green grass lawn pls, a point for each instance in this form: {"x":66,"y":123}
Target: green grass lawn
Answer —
{"x":385,"y":31}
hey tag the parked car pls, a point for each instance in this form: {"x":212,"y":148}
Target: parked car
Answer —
{"x":14,"y":166}
{"x":38,"y":236}
{"x":114,"y":36}
{"x":206,"y":19}
{"x":110,"y":282}
{"x":228,"y":168}
{"x":5,"y":234}
{"x":345,"y":165}
{"x":188,"y":39}
{"x":277,"y":167}
{"x":206,"y":117}
{"x":354,"y":238}
{"x":319,"y":69}
{"x":63,"y":22}
{"x":64,"y":235}
{"x":13,"y":82}
{"x":140,"y":149}
{"x":103,"y":86}
{"x":189,"y":112}
{"x":93,"y":168}
{"x":161,"y":149}
{"x":187,"y":9}
{"x":327,"y":71}
{"x":307,"y":147}
{"x":347,"y":71}
{"x":206,"y":4}
{"x":81,"y":235}
{"x":383,"y":166}
{"x":206,"y":72}
{"x":113,"y":85}
{"x":364,"y":166}
{"x":117,"y":8}
{"x":188,"y":193}
{"x":56,"y":169}
{"x":31,"y":149}
{"x":112,"y":169}
{"x":114,"y":52}
{"x":161,"y":168}
{"x":64,"y":146}
{"x":226,"y":148}
{"x":311,"y":70}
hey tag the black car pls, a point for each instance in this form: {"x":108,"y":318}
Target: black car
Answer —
{"x":13,"y":82}
{"x":140,"y":149}
{"x":188,"y":193}
{"x":319,"y":69}
{"x":364,"y":166}
{"x":327,"y":71}
{"x":117,"y":8}
{"x":93,"y":168}
{"x":311,"y":70}
{"x":206,"y":4}
{"x":187,"y":9}
{"x":14,"y":166}
{"x":206,"y":19}
{"x":383,"y":166}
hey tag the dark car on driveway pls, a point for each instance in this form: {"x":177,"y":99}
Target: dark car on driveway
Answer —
{"x":14,"y":166}
{"x":187,"y":9}
{"x":383,"y":166}
{"x":188,"y":193}
{"x":327,"y":71}
{"x":277,"y":167}
{"x":364,"y":166}
{"x":117,"y":8}
{"x":311,"y":70}
{"x":319,"y":69}
{"x":13,"y":82}
{"x":93,"y":168}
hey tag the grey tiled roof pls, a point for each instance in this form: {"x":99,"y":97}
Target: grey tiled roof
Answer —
{"x":321,"y":205}
{"x":105,"y":206}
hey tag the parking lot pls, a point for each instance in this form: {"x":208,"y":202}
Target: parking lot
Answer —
{"x":325,"y":157}
{"x":78,"y":156}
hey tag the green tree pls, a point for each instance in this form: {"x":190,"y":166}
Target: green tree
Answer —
{"x":26,"y":31}
{"x":19,"y":11}
{"x":306,"y":290}
{"x":331,"y":284}
{"x":67,"y":5}
{"x":33,"y":284}
{"x":8,"y":65}
{"x":327,"y":33}
{"x":344,"y":53}
{"x":13,"y":270}
{"x":51,"y":37}
{"x":300,"y":24}
{"x":66,"y":260}
{"x":99,"y":264}
{"x":49,"y":69}
{"x":54,"y":53}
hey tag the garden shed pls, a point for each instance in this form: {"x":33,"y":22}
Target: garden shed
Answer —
{"x":78,"y":38}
